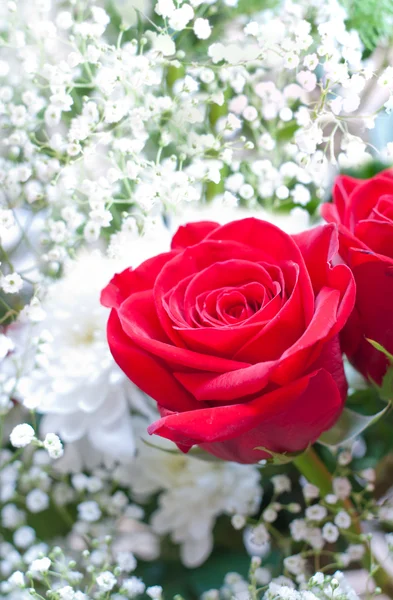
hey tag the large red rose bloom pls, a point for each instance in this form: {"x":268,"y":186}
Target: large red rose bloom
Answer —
{"x":234,"y":333}
{"x":363,"y":211}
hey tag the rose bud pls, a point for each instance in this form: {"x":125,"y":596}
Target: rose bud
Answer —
{"x":363,"y":211}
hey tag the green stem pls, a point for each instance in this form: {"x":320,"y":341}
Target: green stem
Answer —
{"x":310,"y":465}
{"x":314,"y":470}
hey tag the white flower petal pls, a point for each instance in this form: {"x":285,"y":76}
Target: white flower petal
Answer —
{"x":194,"y":553}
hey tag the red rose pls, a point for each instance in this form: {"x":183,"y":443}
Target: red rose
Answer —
{"x":234,"y":334}
{"x":363,"y":210}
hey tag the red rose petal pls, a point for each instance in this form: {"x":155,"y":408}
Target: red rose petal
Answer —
{"x":383,"y":211}
{"x":301,"y":355}
{"x":284,"y":328}
{"x":374,"y":313}
{"x":147,"y":372}
{"x":218,"y":341}
{"x":227,"y":274}
{"x":365,"y":197}
{"x":342,"y":189}
{"x":377,"y":235}
{"x":192,"y":233}
{"x":139,"y":321}
{"x":130,"y":280}
{"x":318,"y":247}
{"x":191,"y":261}
{"x":285,"y":420}
{"x":226,"y":387}
{"x":275,"y":245}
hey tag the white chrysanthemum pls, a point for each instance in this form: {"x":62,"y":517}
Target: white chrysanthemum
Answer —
{"x":194,"y":493}
{"x":76,"y":384}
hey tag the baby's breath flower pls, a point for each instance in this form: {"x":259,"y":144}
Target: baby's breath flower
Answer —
{"x":310,"y":491}
{"x":317,"y":579}
{"x":316,"y":512}
{"x":269,"y":515}
{"x":330,"y":532}
{"x":154,"y":592}
{"x":295,"y":564}
{"x":281,"y":483}
{"x":202,"y":28}
{"x":342,"y":520}
{"x":126,"y":561}
{"x":12,"y":283}
{"x":17,"y":579}
{"x":53,"y":445}
{"x":238,"y":521}
{"x":22,"y":435}
{"x":106,"y":581}
{"x":24,"y":536}
{"x":260,"y":535}
{"x":133,"y":586}
{"x":331,"y":499}
{"x":298,"y":529}
{"x":89,"y":511}
{"x":40,"y":565}
{"x":66,"y":593}
{"x":291,"y":60}
{"x":37,"y":501}
{"x":342,"y":487}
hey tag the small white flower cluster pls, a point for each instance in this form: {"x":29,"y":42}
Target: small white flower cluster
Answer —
{"x":323,"y":519}
{"x":71,"y":575}
{"x":23,"y":434}
{"x":108,"y":518}
{"x":213,"y":487}
{"x":28,"y":479}
{"x":319,"y":587}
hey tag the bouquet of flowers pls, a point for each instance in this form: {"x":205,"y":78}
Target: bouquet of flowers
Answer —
{"x":196,"y":299}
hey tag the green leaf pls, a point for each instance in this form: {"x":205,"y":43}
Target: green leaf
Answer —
{"x":280,"y":459}
{"x":203,"y":455}
{"x":386,"y":389}
{"x":349,"y":425}
{"x":372,"y":20}
{"x":378,"y":346}
{"x":194,"y":452}
{"x":287,"y":132}
{"x":367,"y":400}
